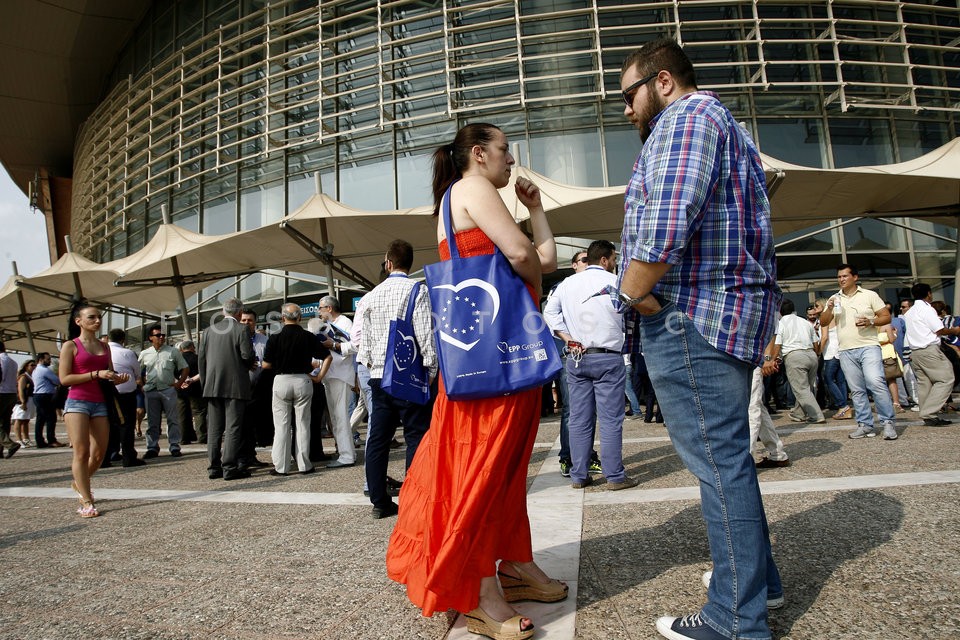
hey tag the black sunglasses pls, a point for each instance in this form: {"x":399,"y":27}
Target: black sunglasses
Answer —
{"x":158,"y":335}
{"x":630,"y":92}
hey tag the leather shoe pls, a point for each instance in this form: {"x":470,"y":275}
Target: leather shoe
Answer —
{"x":274,"y":472}
{"x":215,"y":474}
{"x":767,"y":463}
{"x":13,"y":449}
{"x":237,"y":475}
{"x":257,"y":464}
{"x":336,"y":464}
{"x":136,"y":462}
{"x":150,"y":454}
{"x":388,"y":511}
{"x":309,"y":471}
{"x":936,"y":422}
{"x":175,"y":454}
{"x":106,"y":464}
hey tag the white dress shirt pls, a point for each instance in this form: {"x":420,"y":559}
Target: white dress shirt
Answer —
{"x":576,"y":309}
{"x":125,"y":361}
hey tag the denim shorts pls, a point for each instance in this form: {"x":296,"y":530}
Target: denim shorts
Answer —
{"x":92,"y":409}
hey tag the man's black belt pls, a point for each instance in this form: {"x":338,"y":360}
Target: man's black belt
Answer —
{"x":599,"y":350}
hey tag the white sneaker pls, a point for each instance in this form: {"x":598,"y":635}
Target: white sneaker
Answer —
{"x":889,"y":432}
{"x":772,"y":603}
{"x":863,"y":431}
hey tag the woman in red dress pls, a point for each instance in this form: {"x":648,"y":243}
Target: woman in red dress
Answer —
{"x":463,"y":504}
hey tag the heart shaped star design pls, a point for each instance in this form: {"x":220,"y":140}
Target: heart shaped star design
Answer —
{"x":405,"y":351}
{"x":464,"y":314}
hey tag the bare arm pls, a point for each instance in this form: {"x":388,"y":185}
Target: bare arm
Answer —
{"x":639,"y":279}
{"x":483,"y":207}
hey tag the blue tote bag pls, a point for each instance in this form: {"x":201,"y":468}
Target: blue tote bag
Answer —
{"x":404,"y":375}
{"x":491,"y":338}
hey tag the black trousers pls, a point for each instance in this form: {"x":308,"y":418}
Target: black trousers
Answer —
{"x":46,"y":419}
{"x":385,"y":415}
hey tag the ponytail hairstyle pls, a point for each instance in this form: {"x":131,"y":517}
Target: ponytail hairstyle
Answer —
{"x":451,"y":160}
{"x":73,"y":329}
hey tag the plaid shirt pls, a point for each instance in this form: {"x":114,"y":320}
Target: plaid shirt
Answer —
{"x":697,"y":200}
{"x":387,"y":301}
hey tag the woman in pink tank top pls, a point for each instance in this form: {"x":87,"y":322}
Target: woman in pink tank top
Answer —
{"x":84,"y":361}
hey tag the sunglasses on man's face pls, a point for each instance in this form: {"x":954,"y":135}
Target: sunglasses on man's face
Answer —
{"x":631,"y":92}
{"x":158,"y":335}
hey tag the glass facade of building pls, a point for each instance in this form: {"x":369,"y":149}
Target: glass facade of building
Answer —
{"x":223,"y":111}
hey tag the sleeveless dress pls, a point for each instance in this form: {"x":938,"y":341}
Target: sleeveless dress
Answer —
{"x":463,"y":504}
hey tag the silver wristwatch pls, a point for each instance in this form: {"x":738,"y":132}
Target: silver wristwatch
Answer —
{"x":629,"y":302}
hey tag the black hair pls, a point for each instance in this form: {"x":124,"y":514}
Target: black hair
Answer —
{"x":451,"y":160}
{"x":600,"y":249}
{"x":73,"y":329}
{"x":400,"y":253}
{"x":853,"y":269}
{"x":665,"y":54}
{"x":787,"y":307}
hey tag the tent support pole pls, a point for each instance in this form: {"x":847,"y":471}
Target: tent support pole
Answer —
{"x":328,"y":265}
{"x":76,"y":276}
{"x":178,"y":281}
{"x":956,"y":271}
{"x":23,"y":314}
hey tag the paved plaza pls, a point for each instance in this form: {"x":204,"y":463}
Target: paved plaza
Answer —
{"x":866,"y":533}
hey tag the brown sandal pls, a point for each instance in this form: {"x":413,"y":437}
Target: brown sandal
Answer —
{"x":526,"y":587}
{"x":480,"y":623}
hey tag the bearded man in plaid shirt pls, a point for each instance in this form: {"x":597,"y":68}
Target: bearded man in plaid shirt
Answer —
{"x":698,"y":285}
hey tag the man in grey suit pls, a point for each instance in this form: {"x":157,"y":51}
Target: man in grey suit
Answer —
{"x":225,"y":361}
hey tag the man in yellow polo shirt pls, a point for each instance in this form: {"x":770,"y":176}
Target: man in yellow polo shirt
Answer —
{"x":859,"y":312}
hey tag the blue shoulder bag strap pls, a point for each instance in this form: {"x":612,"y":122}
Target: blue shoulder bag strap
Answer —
{"x":411,"y":303}
{"x":448,"y":224}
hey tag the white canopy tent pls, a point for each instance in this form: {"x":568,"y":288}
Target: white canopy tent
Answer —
{"x":324,"y":236}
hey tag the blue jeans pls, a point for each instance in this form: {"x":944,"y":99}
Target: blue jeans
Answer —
{"x":164,"y":402}
{"x":836,"y":383}
{"x":631,"y":391}
{"x":596,"y":387}
{"x":704,"y":395}
{"x":863,"y":369}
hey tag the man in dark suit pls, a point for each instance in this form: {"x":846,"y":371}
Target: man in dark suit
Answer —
{"x":225,"y":361}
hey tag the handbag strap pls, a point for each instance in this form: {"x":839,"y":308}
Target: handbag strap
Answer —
{"x":448,"y":224}
{"x":411,"y":303}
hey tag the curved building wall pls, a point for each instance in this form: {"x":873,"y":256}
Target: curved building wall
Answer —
{"x":223,"y":111}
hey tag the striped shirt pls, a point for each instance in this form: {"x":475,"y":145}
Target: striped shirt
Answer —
{"x":697,"y":200}
{"x":388,"y":300}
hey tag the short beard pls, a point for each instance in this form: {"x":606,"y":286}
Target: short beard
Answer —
{"x":644,"y":132}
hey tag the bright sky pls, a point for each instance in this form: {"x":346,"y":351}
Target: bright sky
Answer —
{"x":23,"y":234}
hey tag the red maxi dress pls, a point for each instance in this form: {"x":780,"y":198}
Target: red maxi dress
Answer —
{"x":463,"y":504}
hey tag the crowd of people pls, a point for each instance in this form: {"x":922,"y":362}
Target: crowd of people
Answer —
{"x":686,"y":315}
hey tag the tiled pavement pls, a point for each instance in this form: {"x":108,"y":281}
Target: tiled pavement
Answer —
{"x":866,"y":533}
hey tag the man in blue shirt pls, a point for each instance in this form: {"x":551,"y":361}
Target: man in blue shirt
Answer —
{"x":698,"y":285}
{"x":45,"y":383}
